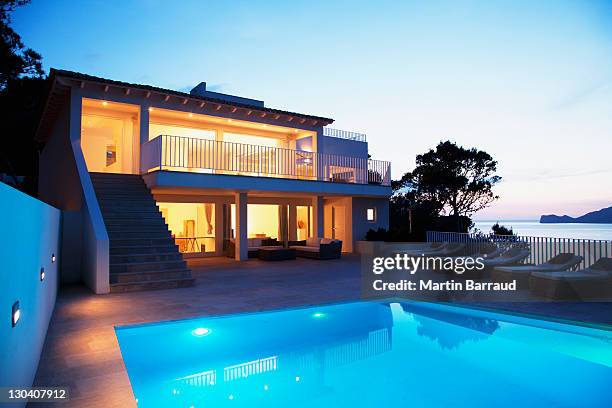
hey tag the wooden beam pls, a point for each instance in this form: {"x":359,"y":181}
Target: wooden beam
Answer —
{"x":276,"y":117}
{"x":202,"y":104}
{"x":234,"y":110}
{"x":249,"y":112}
{"x":127,"y":91}
{"x":148,"y":94}
{"x":302,"y":120}
{"x":166,"y":98}
{"x":290,"y":119}
{"x":218,"y":107}
{"x":185,"y":101}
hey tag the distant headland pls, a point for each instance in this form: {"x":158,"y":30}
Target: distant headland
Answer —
{"x":603,"y":216}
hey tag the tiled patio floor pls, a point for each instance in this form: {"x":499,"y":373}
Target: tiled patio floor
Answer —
{"x":81,"y":350}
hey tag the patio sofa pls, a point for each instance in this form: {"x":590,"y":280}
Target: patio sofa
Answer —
{"x":317,"y":248}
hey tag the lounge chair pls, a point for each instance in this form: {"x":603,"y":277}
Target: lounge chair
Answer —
{"x":448,"y":249}
{"x":592,"y":282}
{"x":562,"y":262}
{"x":512,"y":256}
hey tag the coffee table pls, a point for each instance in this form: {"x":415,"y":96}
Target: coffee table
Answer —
{"x":275,"y":253}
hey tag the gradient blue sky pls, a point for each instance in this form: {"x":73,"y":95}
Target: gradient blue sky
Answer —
{"x":528,"y":81}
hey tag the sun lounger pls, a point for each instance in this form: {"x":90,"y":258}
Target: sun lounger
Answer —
{"x":592,"y":282}
{"x":561,"y":262}
{"x":448,"y":249}
{"x":512,"y":256}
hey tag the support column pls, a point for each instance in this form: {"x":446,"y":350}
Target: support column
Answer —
{"x":219,"y":228}
{"x":143,"y":126}
{"x":292,"y":222}
{"x":242,"y":246}
{"x":317,"y":217}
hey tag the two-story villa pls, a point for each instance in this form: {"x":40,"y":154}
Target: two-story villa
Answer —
{"x":147,"y":176}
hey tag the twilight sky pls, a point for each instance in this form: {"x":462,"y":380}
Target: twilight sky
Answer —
{"x":529,"y":82}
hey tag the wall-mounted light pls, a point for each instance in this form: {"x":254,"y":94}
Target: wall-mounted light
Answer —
{"x":53,"y":258}
{"x":371,"y":214}
{"x":42,"y":274}
{"x":150,"y":109}
{"x":104,"y":103}
{"x":15,"y":314}
{"x":191,"y":115}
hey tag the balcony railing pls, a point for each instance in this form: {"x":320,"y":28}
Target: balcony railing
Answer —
{"x":344,"y":134}
{"x":176,"y":153}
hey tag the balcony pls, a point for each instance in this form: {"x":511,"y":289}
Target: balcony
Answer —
{"x":175,"y":153}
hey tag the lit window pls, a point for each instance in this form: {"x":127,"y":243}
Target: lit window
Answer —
{"x":371,"y":214}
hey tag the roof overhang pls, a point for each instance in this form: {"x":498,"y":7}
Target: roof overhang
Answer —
{"x":60,"y":83}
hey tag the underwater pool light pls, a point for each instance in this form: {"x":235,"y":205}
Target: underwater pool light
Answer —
{"x":201,"y":332}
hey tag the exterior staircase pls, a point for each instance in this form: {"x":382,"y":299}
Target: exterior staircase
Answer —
{"x":143,"y":254}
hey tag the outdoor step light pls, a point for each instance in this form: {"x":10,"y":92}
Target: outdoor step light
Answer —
{"x":16,"y":313}
{"x":42,"y":274}
{"x":52,"y":258}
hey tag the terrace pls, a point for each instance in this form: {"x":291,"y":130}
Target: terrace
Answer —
{"x":81,"y":350}
{"x":176,"y":153}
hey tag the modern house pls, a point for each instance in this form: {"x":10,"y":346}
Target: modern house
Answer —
{"x":146,"y":177}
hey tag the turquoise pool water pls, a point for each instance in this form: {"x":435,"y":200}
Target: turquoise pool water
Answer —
{"x":368,"y":354}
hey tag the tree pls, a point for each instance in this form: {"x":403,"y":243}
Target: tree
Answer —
{"x":21,"y":96}
{"x":460,"y":180}
{"x":16,"y":61}
{"x":499,"y":229}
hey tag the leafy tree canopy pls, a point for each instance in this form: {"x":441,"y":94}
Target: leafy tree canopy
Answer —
{"x":460,"y":180}
{"x":22,"y":88}
{"x":16,"y":60}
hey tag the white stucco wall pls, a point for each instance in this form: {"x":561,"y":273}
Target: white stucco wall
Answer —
{"x":30,"y":236}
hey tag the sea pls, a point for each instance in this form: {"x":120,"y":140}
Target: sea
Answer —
{"x":533,"y":228}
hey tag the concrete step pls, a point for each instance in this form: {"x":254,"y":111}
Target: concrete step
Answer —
{"x":171,"y":255}
{"x":131,"y":221}
{"x":151,"y":285}
{"x":147,"y":266}
{"x":114,"y":214}
{"x":138,"y":225}
{"x":121,"y":176}
{"x":141,"y":242}
{"x":133,"y":212}
{"x":137,"y":196}
{"x":136,"y":277}
{"x":135,"y":235}
{"x":138,"y":232}
{"x":127,"y":204}
{"x":143,"y":249}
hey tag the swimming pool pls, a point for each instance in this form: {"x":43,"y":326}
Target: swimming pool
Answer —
{"x":368,"y":354}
